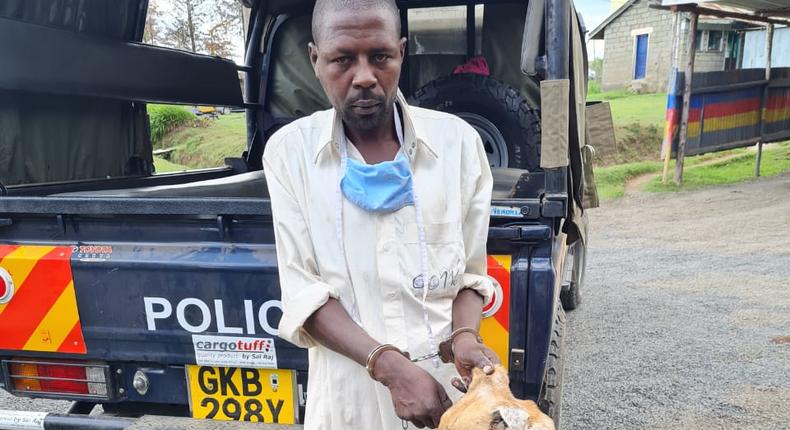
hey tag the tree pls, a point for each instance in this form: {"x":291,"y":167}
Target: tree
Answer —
{"x":153,"y":24}
{"x":184,"y":30}
{"x":224,"y":25}
{"x":201,"y":26}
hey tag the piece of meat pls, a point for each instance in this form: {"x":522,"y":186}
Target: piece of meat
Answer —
{"x":489,"y":405}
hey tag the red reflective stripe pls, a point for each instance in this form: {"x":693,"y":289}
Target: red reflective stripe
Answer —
{"x":74,"y":342}
{"x":49,"y":277}
{"x":7,"y":249}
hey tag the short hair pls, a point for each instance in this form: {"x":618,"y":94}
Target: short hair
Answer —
{"x":323,"y":7}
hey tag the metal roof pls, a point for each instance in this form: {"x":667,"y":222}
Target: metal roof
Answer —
{"x":765,"y":7}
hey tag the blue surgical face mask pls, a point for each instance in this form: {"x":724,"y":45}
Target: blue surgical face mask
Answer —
{"x":384,"y":187}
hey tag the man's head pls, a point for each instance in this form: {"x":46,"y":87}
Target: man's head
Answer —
{"x":357,"y":54}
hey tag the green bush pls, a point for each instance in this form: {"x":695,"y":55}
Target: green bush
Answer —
{"x":593,"y":87}
{"x":166,"y":118}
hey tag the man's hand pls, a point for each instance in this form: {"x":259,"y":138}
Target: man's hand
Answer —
{"x":469,"y":353}
{"x":416,"y":395}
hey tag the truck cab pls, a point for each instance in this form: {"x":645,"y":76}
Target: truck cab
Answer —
{"x":157,"y":294}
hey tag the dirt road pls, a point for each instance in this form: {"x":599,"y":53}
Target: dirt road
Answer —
{"x":686,"y":313}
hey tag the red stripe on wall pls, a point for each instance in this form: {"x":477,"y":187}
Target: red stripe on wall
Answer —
{"x":778,"y":102}
{"x":717,"y":110}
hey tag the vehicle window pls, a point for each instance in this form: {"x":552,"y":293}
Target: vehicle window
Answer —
{"x":438,"y":41}
{"x":442,"y":30}
{"x":195,"y":137}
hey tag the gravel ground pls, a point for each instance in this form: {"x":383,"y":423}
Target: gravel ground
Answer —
{"x":685,"y":319}
{"x":684,"y":324}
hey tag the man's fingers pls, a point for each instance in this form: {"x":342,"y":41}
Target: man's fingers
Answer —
{"x":459,"y":384}
{"x":492,"y":356}
{"x":485,"y":363}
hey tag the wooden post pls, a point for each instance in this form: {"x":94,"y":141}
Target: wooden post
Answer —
{"x":684,"y":119}
{"x":671,"y":92}
{"x":769,"y":43}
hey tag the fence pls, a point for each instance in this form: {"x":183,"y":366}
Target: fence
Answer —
{"x":730,"y":109}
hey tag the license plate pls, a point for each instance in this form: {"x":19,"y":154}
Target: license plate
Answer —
{"x":235,"y":394}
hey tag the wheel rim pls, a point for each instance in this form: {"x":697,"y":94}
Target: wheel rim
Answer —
{"x":493,"y":140}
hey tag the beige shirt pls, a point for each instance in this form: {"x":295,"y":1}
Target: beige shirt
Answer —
{"x":453,"y":182}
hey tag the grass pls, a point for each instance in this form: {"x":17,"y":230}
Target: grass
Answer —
{"x":776,"y":160}
{"x":166,"y":118}
{"x":611,"y":180}
{"x":629,"y":108}
{"x":208,"y":142}
{"x":164,"y":166}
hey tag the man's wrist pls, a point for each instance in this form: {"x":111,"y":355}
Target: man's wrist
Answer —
{"x":387,"y":365}
{"x":465,"y":337}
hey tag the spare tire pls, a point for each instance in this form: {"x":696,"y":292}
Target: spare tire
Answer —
{"x":508,"y":125}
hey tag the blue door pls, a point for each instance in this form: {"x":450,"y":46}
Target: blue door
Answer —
{"x":640,"y":65}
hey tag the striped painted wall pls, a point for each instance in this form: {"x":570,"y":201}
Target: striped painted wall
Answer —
{"x":730,"y":109}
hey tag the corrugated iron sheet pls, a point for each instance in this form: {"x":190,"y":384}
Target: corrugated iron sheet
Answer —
{"x":730,"y":109}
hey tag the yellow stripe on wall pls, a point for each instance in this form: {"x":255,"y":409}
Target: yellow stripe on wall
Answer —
{"x":776,"y":115}
{"x":21,"y":262}
{"x":693,"y":130}
{"x":57,"y":324}
{"x":732,"y":121}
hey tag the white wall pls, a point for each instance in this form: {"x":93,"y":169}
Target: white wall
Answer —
{"x":754,"y":49}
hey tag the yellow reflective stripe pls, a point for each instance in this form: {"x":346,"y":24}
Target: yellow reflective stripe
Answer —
{"x":495,"y":337}
{"x":54,"y":328}
{"x":504,"y":260}
{"x":21,"y":262}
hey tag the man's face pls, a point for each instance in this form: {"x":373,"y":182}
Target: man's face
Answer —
{"x":358,"y":61}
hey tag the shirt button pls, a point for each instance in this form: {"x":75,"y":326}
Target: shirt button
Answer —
{"x":392,"y":296}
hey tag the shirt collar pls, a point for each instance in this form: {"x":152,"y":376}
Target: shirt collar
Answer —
{"x":413,"y":134}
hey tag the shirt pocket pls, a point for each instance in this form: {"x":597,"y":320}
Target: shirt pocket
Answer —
{"x":446,"y":259}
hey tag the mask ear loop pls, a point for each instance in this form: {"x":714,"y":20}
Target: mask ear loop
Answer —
{"x":339,"y":228}
{"x":423,"y":247}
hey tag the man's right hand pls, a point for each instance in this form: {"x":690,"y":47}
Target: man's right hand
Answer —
{"x":416,"y":395}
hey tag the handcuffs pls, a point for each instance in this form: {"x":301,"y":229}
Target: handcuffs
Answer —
{"x":445,"y":352}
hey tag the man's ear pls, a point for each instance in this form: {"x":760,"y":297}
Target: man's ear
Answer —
{"x":312,"y":50}
{"x":403,"y":42}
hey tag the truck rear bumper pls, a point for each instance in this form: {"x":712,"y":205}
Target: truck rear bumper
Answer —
{"x":23,"y":420}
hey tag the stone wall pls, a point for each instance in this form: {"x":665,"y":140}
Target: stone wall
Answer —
{"x":710,"y":61}
{"x":619,"y":49}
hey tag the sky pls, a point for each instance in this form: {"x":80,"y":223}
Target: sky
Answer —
{"x":593,"y":12}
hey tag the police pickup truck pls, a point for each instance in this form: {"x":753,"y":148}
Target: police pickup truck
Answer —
{"x":156,"y":295}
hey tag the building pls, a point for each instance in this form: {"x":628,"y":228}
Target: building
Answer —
{"x":639,"y":42}
{"x":754,"y":49}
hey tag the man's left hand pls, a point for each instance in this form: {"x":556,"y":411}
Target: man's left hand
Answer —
{"x":469,"y":353}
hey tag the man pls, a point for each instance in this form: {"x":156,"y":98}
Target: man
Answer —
{"x":381,"y":218}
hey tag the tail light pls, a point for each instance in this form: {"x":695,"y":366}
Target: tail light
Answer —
{"x":64,"y":378}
